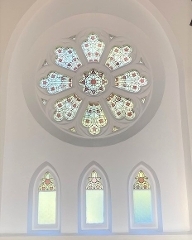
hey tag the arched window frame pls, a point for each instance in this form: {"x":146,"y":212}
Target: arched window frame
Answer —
{"x":94,"y":229}
{"x":156,"y":224}
{"x":33,"y":226}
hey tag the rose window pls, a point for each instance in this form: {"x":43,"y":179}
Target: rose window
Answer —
{"x":94,"y":86}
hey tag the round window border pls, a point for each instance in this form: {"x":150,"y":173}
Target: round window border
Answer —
{"x":154,"y":100}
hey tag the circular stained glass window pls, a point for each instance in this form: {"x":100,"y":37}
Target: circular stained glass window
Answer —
{"x":94,"y":86}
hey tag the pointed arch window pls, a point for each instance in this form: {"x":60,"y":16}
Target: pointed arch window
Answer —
{"x":47,"y":200}
{"x":95,"y":207}
{"x":44,"y":201}
{"x":144,"y":200}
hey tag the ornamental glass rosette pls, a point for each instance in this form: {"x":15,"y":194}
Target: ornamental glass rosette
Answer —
{"x":94,"y":85}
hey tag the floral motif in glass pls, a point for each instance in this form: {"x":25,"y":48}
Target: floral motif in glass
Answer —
{"x":119,"y":57}
{"x":94,"y":182}
{"x":93,"y":82}
{"x":141,"y":182}
{"x":94,"y":118}
{"x":93,"y":48}
{"x":47,"y":183}
{"x":67,"y":108}
{"x":130,"y":81}
{"x":121,"y":107}
{"x":55,"y":83}
{"x":67,"y":58}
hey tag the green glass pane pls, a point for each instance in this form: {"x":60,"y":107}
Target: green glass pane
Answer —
{"x":142,"y":206}
{"x":94,"y":206}
{"x":47,"y":208}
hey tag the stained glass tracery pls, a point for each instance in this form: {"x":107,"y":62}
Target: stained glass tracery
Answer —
{"x":94,"y":182}
{"x":93,"y":48}
{"x":47,"y":200}
{"x":67,"y":107}
{"x":94,"y":199}
{"x":142,"y":200}
{"x":94,"y":118}
{"x":130,"y":81}
{"x":142,"y":181}
{"x":47,"y":183}
{"x":93,"y":82}
{"x":121,"y":107}
{"x":67,"y":58}
{"x":119,"y":57}
{"x":55,"y":83}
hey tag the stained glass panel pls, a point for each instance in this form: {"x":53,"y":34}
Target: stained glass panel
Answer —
{"x":47,"y":200}
{"x":142,"y":199}
{"x":55,"y":83}
{"x":67,"y":58}
{"x":67,"y":108}
{"x":121,"y":107}
{"x":93,"y":48}
{"x":94,"y":118}
{"x":130,"y":81}
{"x":93,"y":82}
{"x":94,"y":199}
{"x":119,"y":57}
{"x":141,"y":182}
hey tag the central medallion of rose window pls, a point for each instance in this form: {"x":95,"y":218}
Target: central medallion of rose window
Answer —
{"x":93,"y":82}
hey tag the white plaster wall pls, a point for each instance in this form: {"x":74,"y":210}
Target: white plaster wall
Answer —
{"x":159,"y":144}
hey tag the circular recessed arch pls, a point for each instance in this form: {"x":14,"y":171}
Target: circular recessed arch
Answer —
{"x":144,"y":59}
{"x":134,"y":33}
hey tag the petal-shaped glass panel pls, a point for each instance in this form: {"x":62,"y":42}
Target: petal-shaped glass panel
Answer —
{"x":93,"y":48}
{"x":130,"y":81}
{"x":67,"y":58}
{"x":119,"y":57}
{"x":93,"y":82}
{"x":94,"y":118}
{"x":121,"y":107}
{"x":55,"y":83}
{"x":67,"y":108}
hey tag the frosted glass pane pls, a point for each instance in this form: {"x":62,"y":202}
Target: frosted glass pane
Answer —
{"x":142,"y":206}
{"x":94,"y":206}
{"x":47,"y":208}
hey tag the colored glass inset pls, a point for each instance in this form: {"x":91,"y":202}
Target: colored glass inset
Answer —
{"x":93,"y":48}
{"x":55,"y":83}
{"x":93,"y":82}
{"x":121,"y":107}
{"x":119,"y":57}
{"x":47,"y":200}
{"x":94,"y":199}
{"x":141,"y":182}
{"x":94,"y":118}
{"x":67,"y":108}
{"x":130,"y":81}
{"x":67,"y":58}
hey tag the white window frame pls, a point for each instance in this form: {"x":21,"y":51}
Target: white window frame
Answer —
{"x":33,"y":225}
{"x":94,"y":228}
{"x":156,"y":224}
